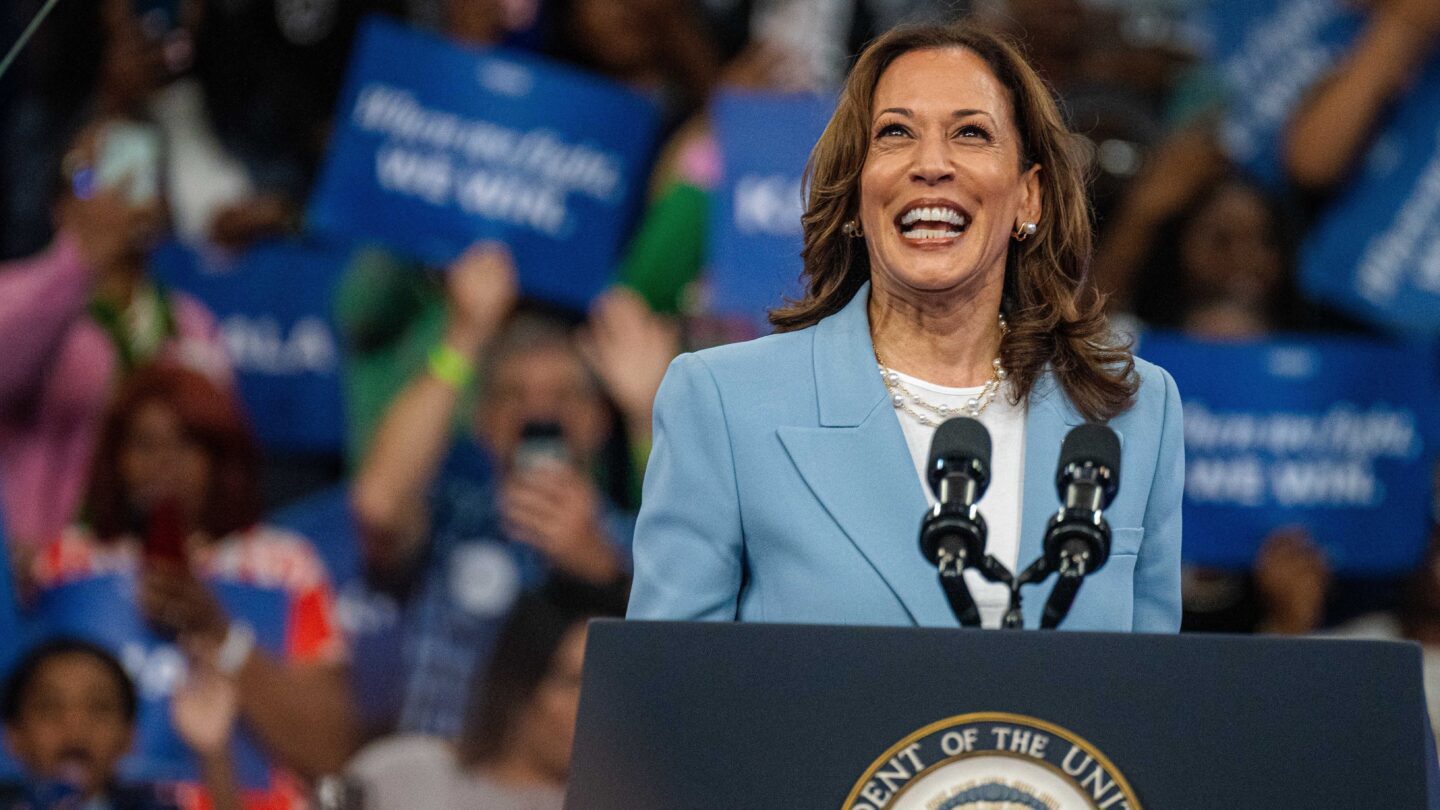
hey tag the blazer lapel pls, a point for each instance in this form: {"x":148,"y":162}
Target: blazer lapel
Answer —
{"x":858,"y":465}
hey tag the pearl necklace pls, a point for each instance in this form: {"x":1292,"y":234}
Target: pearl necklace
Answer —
{"x":931,"y":414}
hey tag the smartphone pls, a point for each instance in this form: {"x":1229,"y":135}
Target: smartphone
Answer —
{"x":165,"y":536}
{"x":541,"y":444}
{"x":130,"y":153}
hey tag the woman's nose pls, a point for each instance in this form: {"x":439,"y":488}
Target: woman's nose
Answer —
{"x":931,"y":162}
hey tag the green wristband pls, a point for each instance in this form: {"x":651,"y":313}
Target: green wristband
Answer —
{"x":451,"y":366}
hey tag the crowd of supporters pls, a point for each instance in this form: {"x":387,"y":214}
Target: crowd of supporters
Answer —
{"x":433,"y":571}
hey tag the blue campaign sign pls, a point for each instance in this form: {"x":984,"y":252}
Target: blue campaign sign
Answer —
{"x":1336,"y":435}
{"x":274,"y":303}
{"x":765,"y":140}
{"x":1269,"y":54}
{"x":104,"y":610}
{"x":437,"y":145}
{"x":1375,"y":252}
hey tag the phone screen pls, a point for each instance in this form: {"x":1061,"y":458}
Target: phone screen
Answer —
{"x":541,"y":443}
{"x":130,"y":153}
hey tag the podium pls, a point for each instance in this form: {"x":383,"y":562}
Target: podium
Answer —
{"x":713,"y":715}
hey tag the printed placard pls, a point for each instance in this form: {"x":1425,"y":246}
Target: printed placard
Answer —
{"x":439,"y":145}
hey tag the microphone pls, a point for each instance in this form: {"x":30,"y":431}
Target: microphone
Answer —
{"x":952,"y":535}
{"x":1077,"y":538}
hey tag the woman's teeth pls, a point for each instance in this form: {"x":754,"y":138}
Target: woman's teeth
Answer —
{"x":928,"y":233}
{"x":927,"y":220}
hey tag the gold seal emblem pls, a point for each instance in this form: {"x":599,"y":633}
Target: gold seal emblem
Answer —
{"x":992,"y":761}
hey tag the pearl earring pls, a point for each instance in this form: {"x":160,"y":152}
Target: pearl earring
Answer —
{"x":1025,"y":231}
{"x":852,"y":229}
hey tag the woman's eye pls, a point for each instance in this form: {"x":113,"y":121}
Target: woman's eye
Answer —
{"x":891,"y":129}
{"x":974,"y":131}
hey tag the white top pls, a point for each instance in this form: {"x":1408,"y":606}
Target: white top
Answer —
{"x":1001,"y":503}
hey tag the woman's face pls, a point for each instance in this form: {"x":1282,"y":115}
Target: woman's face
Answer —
{"x":159,"y":462}
{"x":544,"y":384}
{"x":1229,"y":251}
{"x":941,"y":190}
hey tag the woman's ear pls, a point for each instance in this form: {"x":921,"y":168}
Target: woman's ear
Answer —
{"x":1033,"y":198}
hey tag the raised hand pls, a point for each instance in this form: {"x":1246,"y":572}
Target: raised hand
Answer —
{"x":629,"y":348}
{"x":203,"y":709}
{"x":481,"y":289}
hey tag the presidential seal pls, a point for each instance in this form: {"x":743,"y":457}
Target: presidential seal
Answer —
{"x":992,"y":761}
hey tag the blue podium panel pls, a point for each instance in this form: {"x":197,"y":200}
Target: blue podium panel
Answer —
{"x":758,"y":716}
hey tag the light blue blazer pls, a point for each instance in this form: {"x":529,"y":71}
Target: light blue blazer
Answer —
{"x":780,"y":489}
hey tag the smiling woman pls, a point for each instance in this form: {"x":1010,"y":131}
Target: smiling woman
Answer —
{"x":947,"y":245}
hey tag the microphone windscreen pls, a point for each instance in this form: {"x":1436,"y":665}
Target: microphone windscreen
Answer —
{"x":957,"y":438}
{"x":1096,"y":444}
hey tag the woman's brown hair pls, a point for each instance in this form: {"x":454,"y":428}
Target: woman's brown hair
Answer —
{"x":1056,"y":316}
{"x":211,"y":418}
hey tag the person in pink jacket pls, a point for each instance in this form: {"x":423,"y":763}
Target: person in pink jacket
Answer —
{"x":73,"y":320}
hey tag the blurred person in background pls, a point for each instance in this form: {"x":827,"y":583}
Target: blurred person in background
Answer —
{"x":461,"y":526}
{"x":1196,"y":247}
{"x":514,"y":753}
{"x":274,"y":113}
{"x":69,"y":710}
{"x":135,"y":61}
{"x":175,"y":448}
{"x":390,"y":308}
{"x":79,"y":317}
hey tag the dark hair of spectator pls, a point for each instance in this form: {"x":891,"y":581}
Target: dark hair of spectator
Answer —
{"x":210,"y":417}
{"x":22,"y":677}
{"x":530,"y":329}
{"x":523,"y":657}
{"x":1056,"y":316}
